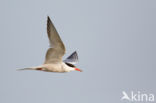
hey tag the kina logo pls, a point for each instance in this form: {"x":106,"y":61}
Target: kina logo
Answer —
{"x":137,"y":96}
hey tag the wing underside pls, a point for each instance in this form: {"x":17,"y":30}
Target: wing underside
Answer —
{"x":57,"y":48}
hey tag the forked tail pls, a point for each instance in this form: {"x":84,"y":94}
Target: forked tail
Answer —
{"x":26,"y":69}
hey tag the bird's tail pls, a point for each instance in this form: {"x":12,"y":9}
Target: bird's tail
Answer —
{"x":26,"y":69}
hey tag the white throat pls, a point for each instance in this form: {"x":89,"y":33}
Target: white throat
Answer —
{"x":68,"y":68}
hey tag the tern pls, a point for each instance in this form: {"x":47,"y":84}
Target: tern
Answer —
{"x":53,"y":59}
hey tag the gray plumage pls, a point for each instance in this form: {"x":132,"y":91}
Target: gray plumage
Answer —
{"x":57,"y":48}
{"x":72,"y":59}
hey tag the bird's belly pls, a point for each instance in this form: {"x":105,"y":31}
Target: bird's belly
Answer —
{"x":54,"y":68}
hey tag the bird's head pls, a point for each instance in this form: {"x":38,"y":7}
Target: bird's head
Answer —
{"x":72,"y":67}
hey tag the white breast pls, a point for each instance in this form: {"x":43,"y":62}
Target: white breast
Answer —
{"x":56,"y":67}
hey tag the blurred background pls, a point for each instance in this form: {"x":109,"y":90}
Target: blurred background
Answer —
{"x":115,"y":41}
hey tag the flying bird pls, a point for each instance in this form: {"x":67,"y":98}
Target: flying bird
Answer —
{"x":53,"y":59}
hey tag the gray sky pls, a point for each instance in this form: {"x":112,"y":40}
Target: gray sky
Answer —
{"x":115,"y":41}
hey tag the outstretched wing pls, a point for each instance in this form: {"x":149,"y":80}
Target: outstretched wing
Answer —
{"x":57,"y":48}
{"x":72,"y":59}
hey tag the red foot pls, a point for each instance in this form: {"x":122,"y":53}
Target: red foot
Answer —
{"x":39,"y":69}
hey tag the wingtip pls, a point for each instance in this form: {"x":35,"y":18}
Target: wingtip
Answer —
{"x":75,"y":52}
{"x":48,"y":18}
{"x":48,"y":22}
